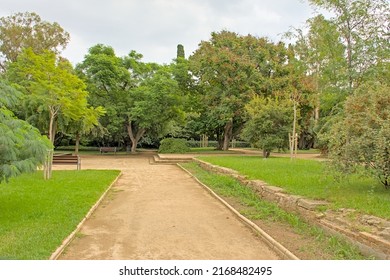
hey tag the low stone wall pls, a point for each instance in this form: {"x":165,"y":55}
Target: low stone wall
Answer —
{"x":371,"y":234}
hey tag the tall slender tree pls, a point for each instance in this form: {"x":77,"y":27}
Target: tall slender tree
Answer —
{"x":363,"y":27}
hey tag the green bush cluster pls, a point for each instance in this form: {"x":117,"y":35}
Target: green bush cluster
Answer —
{"x":173,"y":146}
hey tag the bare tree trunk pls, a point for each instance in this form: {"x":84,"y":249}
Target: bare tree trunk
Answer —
{"x":228,"y":133}
{"x":134,"y":138}
{"x":219,"y":140}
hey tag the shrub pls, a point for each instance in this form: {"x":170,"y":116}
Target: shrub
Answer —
{"x":269,"y":124}
{"x":362,"y":137}
{"x":173,"y":146}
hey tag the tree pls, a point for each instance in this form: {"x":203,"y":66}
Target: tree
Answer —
{"x":319,"y":54}
{"x":85,"y":124}
{"x":361,"y":137}
{"x":340,"y":54}
{"x":108,"y":81}
{"x":155,"y":103}
{"x":229,"y":69}
{"x":50,"y":87}
{"x":363,"y":27}
{"x":270,"y":121}
{"x":140,"y":98}
{"x":180,"y":52}
{"x":27,"y":30}
{"x":22,"y":148}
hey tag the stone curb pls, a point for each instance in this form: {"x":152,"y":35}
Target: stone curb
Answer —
{"x":272,"y":243}
{"x":71,"y":236}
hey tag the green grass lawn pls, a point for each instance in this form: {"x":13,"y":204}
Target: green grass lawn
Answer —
{"x":37,"y":215}
{"x":256,"y":208}
{"x":312,"y":179}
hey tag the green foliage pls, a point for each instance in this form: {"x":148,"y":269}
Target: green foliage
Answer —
{"x":362,"y":136}
{"x":230,"y":68}
{"x":26,"y":30}
{"x":36,"y":215}
{"x":51,"y":88}
{"x":180,"y":51}
{"x":269,"y":124}
{"x":142,"y":97}
{"x":362,"y":26}
{"x":339,"y":53}
{"x":22,"y":147}
{"x":173,"y":146}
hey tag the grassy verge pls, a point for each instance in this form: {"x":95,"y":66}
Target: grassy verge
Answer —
{"x":36,"y":215}
{"x":255,"y":208}
{"x":312,"y":179}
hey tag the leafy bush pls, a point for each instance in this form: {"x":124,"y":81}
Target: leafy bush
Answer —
{"x":269,"y":124}
{"x":362,"y":137}
{"x":173,"y":146}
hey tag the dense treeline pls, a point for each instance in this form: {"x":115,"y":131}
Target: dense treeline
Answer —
{"x":270,"y":94}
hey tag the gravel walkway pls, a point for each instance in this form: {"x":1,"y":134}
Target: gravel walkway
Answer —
{"x":160,"y":212}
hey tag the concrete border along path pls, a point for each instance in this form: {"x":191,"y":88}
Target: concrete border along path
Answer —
{"x":158,"y":212}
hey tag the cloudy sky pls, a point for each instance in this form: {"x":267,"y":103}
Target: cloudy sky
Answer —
{"x":155,"y":27}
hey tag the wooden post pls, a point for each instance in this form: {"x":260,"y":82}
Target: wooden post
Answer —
{"x":233,"y":143}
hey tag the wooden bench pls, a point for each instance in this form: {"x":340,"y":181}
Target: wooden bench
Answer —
{"x":107,"y":150}
{"x":67,"y":159}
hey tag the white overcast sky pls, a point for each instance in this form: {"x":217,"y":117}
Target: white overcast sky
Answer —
{"x":155,"y":27}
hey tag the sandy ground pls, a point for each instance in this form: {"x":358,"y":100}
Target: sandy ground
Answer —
{"x":160,"y":212}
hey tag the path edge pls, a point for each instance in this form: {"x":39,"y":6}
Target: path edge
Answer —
{"x":66,"y":241}
{"x":272,"y":243}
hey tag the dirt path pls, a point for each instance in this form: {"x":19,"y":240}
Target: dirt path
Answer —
{"x":160,"y":212}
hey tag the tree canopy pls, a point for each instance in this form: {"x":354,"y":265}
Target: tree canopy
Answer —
{"x":50,"y":88}
{"x":139,"y":97}
{"x":27,"y":30}
{"x":230,"y":68}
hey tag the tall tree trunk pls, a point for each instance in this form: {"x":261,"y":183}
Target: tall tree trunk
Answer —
{"x":348,"y":38}
{"x":76,"y":150}
{"x":228,"y":133}
{"x":52,"y":123}
{"x":219,"y":140}
{"x":318,"y":98}
{"x":134,"y":137}
{"x":52,"y":127}
{"x":293,"y":139}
